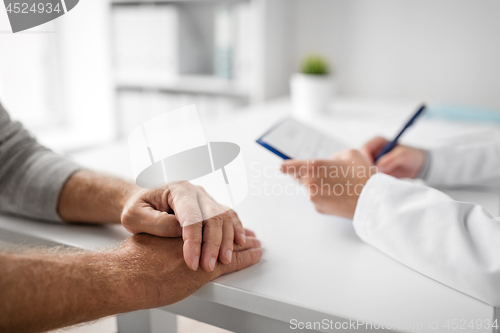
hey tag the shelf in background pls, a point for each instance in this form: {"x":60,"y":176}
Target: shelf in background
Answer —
{"x":193,"y":84}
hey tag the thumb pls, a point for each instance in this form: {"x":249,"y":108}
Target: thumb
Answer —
{"x":373,"y":147}
{"x":142,"y":216}
{"x":182,"y":198}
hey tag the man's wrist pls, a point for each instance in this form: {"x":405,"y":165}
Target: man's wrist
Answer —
{"x":93,"y":197}
{"x":71,"y":287}
{"x":130,"y":287}
{"x":113,"y":282}
{"x":127,"y":193}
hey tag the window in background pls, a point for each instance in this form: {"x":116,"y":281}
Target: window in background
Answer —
{"x":29,"y":81}
{"x":56,"y":78}
{"x":91,"y":80}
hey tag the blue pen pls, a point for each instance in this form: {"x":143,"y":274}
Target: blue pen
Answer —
{"x":390,"y":145}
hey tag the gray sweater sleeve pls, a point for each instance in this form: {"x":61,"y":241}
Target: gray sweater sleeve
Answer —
{"x":31,"y":176}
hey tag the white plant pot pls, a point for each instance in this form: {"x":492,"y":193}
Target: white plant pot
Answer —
{"x":311,"y":94}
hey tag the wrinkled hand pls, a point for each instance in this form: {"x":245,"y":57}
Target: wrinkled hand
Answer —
{"x":158,"y":275}
{"x":333,"y":185}
{"x":401,"y":162}
{"x":208,"y":229}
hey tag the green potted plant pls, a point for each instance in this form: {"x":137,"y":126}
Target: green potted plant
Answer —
{"x":311,"y":89}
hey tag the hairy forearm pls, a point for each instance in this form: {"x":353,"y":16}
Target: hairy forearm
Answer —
{"x":61,"y":289}
{"x":92,"y":197}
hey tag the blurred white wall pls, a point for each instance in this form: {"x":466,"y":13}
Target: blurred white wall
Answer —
{"x":56,"y":78}
{"x":434,"y":50}
{"x":85,"y":55}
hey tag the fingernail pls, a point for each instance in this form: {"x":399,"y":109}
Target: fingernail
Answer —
{"x":257,"y":243}
{"x":196,"y":263}
{"x":229,"y":255}
{"x":243,"y":237}
{"x":212,"y":264}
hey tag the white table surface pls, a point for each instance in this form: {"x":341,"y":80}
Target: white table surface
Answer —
{"x":314,"y":266}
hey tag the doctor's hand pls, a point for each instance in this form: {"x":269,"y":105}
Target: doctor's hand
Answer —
{"x":333,"y":185}
{"x":401,"y":162}
{"x":209,"y":229}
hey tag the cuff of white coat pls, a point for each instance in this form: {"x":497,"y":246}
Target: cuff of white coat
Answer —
{"x":367,"y":202}
{"x":436,"y":169}
{"x":427,"y":165}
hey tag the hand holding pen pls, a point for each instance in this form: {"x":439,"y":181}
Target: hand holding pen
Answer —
{"x":394,"y":159}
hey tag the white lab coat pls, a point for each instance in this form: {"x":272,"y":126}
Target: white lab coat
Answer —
{"x":456,"y":243}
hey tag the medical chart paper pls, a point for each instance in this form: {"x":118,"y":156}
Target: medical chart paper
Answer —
{"x":291,"y":138}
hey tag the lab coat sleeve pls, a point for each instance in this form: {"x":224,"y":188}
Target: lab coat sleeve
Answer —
{"x":455,"y":243}
{"x":477,"y":164}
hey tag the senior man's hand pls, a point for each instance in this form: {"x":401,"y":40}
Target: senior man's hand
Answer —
{"x":208,"y":228}
{"x":159,"y":264}
{"x":333,"y":185}
{"x":38,"y":292}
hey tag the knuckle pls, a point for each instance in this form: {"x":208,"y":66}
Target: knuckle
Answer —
{"x":127,"y":217}
{"x":233,"y":214}
{"x":188,"y":186}
{"x":195,"y":228}
{"x":216,"y":221}
{"x":196,"y":219}
{"x":197,"y":242}
{"x":211,"y":244}
{"x":240,"y":260}
{"x":226,"y":217}
{"x":231,"y":267}
{"x":237,"y":225}
{"x":255,"y":256}
{"x":228,"y":240}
